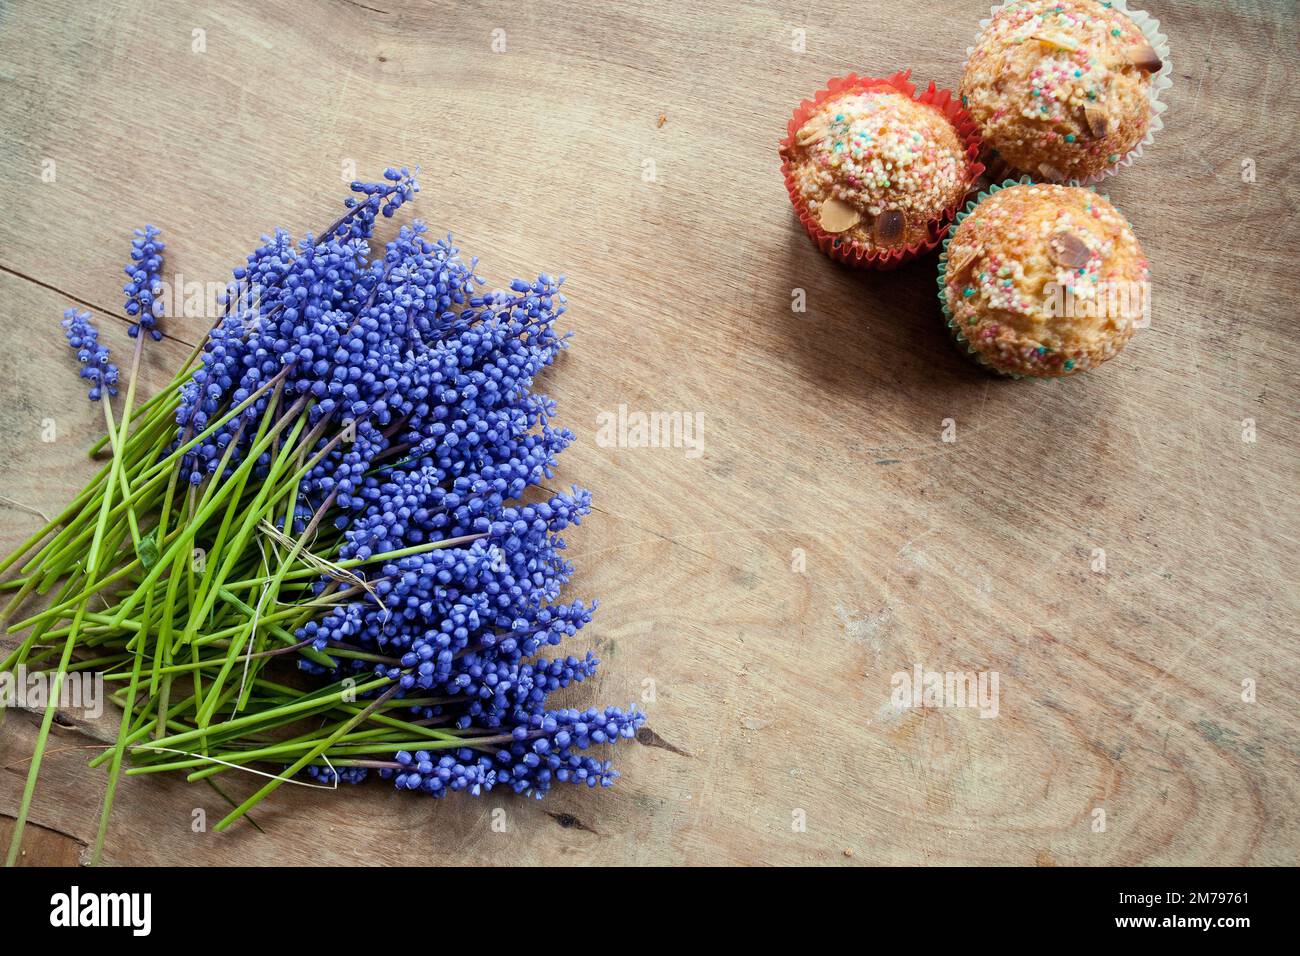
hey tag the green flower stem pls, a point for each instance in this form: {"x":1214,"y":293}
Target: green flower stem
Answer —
{"x":91,"y":663}
{"x":68,"y":543}
{"x":273,"y":785}
{"x":78,"y":663}
{"x":17,"y":600}
{"x":121,"y":477}
{"x":119,"y":749}
{"x":279,"y":632}
{"x":272,"y":590}
{"x":200,"y":604}
{"x":165,"y":643}
{"x":378,"y":717}
{"x":337,"y":754}
{"x":416,"y":549}
{"x":80,"y":511}
{"x":147,"y":722}
{"x":388,"y":746}
{"x":71,"y":511}
{"x":166,"y":621}
{"x":270,"y":593}
{"x":100,"y":585}
{"x":71,"y":552}
{"x":363,"y":656}
{"x":162,"y":404}
{"x":119,"y":445}
{"x":29,"y":789}
{"x":183,"y":541}
{"x":282,"y":634}
{"x":208,"y":768}
{"x":317,"y":762}
{"x":150,"y":755}
{"x":141,"y":643}
{"x":220,"y":637}
{"x":305,"y":705}
{"x":211,"y":584}
{"x":292,"y":693}
{"x":152,"y":477}
{"x":139,"y":733}
{"x":42,"y":736}
{"x":351,"y":563}
{"x":20,"y":654}
{"x":211,"y":770}
{"x":144,"y":421}
{"x":114,"y":474}
{"x":59,"y":611}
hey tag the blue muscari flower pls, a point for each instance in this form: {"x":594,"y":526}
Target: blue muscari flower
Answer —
{"x":434,"y":378}
{"x":143,"y":292}
{"x":95,"y":365}
{"x":329,"y":777}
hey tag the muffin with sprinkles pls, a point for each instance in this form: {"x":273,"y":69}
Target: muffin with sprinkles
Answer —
{"x":1043,"y":280}
{"x":1063,"y":89}
{"x":875,"y":173}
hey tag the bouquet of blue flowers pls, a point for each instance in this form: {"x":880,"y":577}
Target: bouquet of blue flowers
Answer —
{"x":348,"y":472}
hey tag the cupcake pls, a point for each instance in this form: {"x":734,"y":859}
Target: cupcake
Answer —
{"x":876,"y":174}
{"x":1043,"y":280}
{"x":1064,"y":89}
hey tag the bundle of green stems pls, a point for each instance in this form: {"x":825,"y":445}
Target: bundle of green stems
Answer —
{"x":182,"y":597}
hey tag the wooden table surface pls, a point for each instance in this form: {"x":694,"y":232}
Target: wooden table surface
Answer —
{"x":756,"y":599}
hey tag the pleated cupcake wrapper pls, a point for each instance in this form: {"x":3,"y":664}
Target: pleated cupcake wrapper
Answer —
{"x":958,"y":338}
{"x":1161,"y":81}
{"x":841,"y":248}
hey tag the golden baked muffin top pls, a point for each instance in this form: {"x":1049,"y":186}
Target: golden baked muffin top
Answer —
{"x":876,"y":167}
{"x":1045,"y":280}
{"x":1061,"y":88}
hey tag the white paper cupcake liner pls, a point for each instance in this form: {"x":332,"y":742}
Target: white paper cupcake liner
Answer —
{"x":949,"y":321}
{"x":1161,"y":81}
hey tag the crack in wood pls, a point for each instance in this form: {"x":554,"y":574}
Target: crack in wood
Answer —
{"x":83,"y":302}
{"x":649,"y":738}
{"x":362,"y":6}
{"x":570,"y":822}
{"x":9,"y":819}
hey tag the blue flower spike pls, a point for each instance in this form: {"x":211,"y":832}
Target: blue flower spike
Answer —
{"x":144,"y":292}
{"x":83,"y":337}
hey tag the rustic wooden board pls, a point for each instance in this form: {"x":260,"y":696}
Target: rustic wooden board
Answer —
{"x":827,"y":537}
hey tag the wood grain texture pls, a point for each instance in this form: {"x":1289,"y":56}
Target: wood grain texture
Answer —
{"x":822,"y":430}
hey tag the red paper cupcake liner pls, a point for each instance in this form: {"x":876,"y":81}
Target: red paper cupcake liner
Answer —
{"x":849,"y":252}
